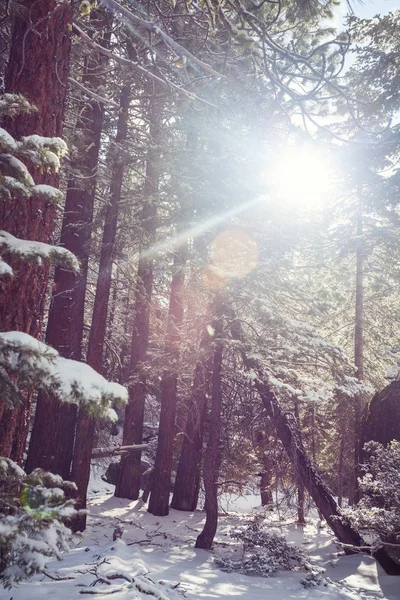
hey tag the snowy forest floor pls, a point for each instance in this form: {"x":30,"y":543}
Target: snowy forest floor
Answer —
{"x":156,"y":559}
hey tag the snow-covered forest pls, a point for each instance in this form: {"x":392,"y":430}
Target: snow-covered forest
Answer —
{"x":199,"y":299}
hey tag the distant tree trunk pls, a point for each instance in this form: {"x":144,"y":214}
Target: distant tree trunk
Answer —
{"x":51,"y":448}
{"x":358,"y":346}
{"x":313,"y":430}
{"x":266,"y":478}
{"x":114,"y":300}
{"x":342,"y":417}
{"x":212,"y":455}
{"x":340,"y":470}
{"x":187,"y":482}
{"x":128,"y":485}
{"x":38,"y":69}
{"x":159,"y":496}
{"x":359,"y":311}
{"x":85,"y":430}
{"x":300,"y":486}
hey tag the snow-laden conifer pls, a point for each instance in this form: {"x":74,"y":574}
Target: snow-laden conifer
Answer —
{"x":33,"y":507}
{"x":32,"y":510}
{"x":378,"y":511}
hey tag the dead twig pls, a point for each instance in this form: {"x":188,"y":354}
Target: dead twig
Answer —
{"x":120,"y":576}
{"x":105,"y":592}
{"x":56,"y":578}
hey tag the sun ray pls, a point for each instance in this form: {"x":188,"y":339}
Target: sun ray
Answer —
{"x":197,"y":230}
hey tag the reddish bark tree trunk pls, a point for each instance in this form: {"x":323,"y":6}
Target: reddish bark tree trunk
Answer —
{"x":159,"y":497}
{"x":38,"y":69}
{"x":128,"y":485}
{"x":5,"y":26}
{"x":85,"y":430}
{"x":212,"y":456}
{"x":52,"y":449}
{"x":187,"y":482}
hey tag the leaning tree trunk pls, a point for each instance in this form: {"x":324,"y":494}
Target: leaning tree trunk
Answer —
{"x":85,"y":430}
{"x":53,"y":433}
{"x":212,"y":455}
{"x":159,"y":496}
{"x":307,"y":472}
{"x":128,"y":485}
{"x":38,"y":69}
{"x":187,"y":482}
{"x":312,"y":478}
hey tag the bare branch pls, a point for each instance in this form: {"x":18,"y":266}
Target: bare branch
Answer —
{"x":92,"y":94}
{"x":152,"y":27}
{"x":129,"y":63}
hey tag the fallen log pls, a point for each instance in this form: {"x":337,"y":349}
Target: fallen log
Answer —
{"x":118,"y":450}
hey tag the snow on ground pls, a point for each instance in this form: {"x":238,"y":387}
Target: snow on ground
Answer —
{"x":156,"y":559}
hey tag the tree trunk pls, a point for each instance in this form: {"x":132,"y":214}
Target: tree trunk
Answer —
{"x":340,"y":470}
{"x":38,"y":69}
{"x":265,"y":483}
{"x":85,"y":431}
{"x":359,"y":311}
{"x":5,"y":25}
{"x":128,"y":485}
{"x":212,"y":456}
{"x":187,"y":482}
{"x":159,"y":496}
{"x":300,"y":486}
{"x":358,"y":346}
{"x":52,"y":449}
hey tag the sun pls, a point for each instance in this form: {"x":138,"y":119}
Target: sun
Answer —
{"x":302,"y":177}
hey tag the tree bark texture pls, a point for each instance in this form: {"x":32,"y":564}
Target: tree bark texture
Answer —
{"x":159,"y":496}
{"x":38,"y":69}
{"x":5,"y":25}
{"x":187,"y":482}
{"x":40,"y":43}
{"x":85,"y":430}
{"x":128,"y":485}
{"x":212,"y":455}
{"x":52,"y":449}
